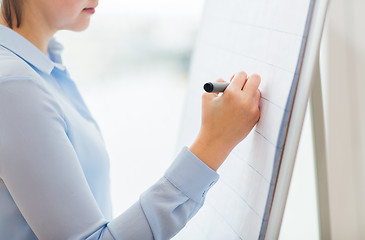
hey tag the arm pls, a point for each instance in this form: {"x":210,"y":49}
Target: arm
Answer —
{"x":170,"y":203}
{"x":42,"y":173}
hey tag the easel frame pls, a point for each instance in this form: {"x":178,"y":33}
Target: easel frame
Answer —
{"x":319,"y":138}
{"x":309,"y":75}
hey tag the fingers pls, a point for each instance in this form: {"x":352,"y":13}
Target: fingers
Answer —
{"x":252,"y":85}
{"x":230,"y":80}
{"x":238,"y":81}
{"x":217,"y":93}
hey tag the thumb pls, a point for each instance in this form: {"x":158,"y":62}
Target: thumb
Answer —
{"x":207,"y":97}
{"x":219,"y":80}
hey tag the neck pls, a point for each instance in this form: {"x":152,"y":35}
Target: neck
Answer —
{"x":32,"y":29}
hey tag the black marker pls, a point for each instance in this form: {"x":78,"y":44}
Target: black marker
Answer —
{"x":215,"y":86}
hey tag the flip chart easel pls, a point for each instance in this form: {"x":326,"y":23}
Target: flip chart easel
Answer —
{"x":280,"y":40}
{"x":310,"y":82}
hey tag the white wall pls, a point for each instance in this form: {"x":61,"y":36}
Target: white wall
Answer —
{"x":343,"y":65}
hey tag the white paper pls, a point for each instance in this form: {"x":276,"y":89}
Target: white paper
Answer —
{"x":257,"y":36}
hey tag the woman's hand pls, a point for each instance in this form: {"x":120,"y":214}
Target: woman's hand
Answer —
{"x":227,"y":119}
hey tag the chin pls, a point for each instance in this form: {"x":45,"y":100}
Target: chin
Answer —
{"x":80,"y":26}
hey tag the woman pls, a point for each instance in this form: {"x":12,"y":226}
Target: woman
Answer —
{"x":54,"y":169}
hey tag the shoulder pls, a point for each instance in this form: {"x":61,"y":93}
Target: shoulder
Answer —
{"x":13,"y":67}
{"x":23,"y":90}
{"x":17,"y":75}
{"x":21,"y":86}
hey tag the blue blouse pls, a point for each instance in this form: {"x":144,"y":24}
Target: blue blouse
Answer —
{"x":54,"y":169}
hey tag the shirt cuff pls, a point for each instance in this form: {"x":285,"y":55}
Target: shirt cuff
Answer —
{"x":191,"y":176}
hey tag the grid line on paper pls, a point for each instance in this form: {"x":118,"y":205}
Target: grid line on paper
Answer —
{"x":249,"y":57}
{"x":253,"y":168}
{"x":274,"y":145}
{"x":242,"y":198}
{"x":269,"y":101}
{"x":255,"y":26}
{"x":266,"y":28}
{"x":225,"y":220}
{"x":209,"y":70}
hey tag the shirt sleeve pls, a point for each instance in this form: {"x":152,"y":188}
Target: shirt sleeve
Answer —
{"x":41,"y":171}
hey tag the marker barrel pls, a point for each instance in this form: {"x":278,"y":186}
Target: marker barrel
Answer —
{"x":215,"y":86}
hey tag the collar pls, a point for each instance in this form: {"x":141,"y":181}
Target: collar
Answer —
{"x":24,"y":49}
